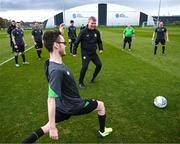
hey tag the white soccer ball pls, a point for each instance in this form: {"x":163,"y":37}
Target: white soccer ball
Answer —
{"x":160,"y":102}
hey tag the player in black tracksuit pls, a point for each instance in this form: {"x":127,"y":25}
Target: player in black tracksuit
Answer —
{"x":89,"y":38}
{"x":10,"y":29}
{"x":72,"y":34}
{"x":161,"y":35}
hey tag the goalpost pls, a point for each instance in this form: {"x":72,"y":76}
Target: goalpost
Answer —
{"x":146,"y":25}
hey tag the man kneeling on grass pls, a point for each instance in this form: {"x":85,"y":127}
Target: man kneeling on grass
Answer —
{"x":64,"y":100}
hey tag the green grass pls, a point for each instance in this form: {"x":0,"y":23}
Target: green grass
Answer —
{"x":127,"y":84}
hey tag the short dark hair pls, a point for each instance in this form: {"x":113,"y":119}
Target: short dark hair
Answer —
{"x":92,"y":18}
{"x":71,"y":21}
{"x":49,"y":38}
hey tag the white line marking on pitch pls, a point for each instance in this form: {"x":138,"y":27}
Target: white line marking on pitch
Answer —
{"x":13,"y":57}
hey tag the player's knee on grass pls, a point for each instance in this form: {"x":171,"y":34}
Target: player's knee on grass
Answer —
{"x":45,"y":128}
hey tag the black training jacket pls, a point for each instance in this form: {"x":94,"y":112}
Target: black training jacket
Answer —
{"x":89,"y":40}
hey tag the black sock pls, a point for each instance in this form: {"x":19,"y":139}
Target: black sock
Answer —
{"x":102,"y":120}
{"x":71,"y":47}
{"x":124,"y":45}
{"x":163,"y":49}
{"x":16,"y":59}
{"x":34,"y":136}
{"x":39,"y":53}
{"x":129,"y":45}
{"x":155,"y":49}
{"x":23,"y":57}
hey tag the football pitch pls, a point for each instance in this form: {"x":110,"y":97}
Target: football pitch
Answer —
{"x":127,"y":83}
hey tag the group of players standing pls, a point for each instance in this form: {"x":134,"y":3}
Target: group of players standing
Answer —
{"x":89,"y":40}
{"x":18,"y":43}
{"x":160,"y":35}
{"x":89,"y":37}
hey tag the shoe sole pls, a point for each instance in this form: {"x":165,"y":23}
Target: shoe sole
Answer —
{"x":100,"y":136}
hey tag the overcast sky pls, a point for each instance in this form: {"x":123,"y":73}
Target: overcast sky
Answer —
{"x":32,"y":10}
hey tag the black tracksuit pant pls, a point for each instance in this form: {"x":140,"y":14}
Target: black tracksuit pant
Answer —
{"x":85,"y":62}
